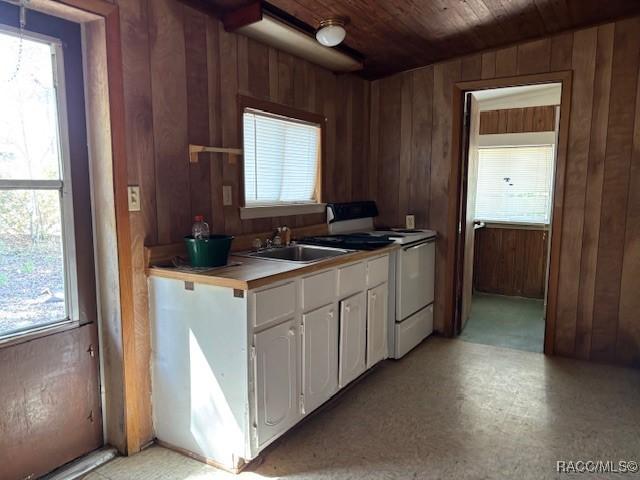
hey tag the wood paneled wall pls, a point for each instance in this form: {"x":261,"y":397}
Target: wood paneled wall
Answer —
{"x":510,"y":261}
{"x":389,"y":140}
{"x":410,"y":162}
{"x":518,"y":120}
{"x":182,"y":75}
{"x":184,"y":72}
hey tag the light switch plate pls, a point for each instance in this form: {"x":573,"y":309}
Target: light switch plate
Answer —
{"x":410,"y":221}
{"x":226,"y":195}
{"x":134,"y":198}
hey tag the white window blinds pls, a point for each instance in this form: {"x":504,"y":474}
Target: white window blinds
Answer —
{"x":515,"y":184}
{"x":280,"y":159}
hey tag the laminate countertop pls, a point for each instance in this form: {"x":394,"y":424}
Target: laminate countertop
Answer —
{"x":246,"y":273}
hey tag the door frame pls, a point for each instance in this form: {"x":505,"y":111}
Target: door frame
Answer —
{"x":459,"y":164}
{"x":82,"y":11}
{"x":464,"y":190}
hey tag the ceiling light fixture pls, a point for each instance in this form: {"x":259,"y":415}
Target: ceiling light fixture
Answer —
{"x":331,"y":32}
{"x":283,"y":36}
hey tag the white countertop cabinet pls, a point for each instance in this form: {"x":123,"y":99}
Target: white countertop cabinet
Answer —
{"x":233,"y":370}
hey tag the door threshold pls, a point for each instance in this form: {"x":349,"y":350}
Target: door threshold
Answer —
{"x":83,"y":465}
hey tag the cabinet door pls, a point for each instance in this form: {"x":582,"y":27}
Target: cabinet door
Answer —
{"x":353,"y":338}
{"x":319,"y":356}
{"x":377,"y":324}
{"x":276,"y":353}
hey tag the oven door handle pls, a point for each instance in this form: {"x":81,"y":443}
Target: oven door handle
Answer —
{"x":418,"y":245}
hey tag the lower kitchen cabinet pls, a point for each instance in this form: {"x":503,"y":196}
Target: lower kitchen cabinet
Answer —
{"x":319,"y":357}
{"x":276,"y":376}
{"x":234,"y":370}
{"x":377,"y":315}
{"x":353,"y":338}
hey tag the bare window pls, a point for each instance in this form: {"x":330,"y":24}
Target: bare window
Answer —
{"x":37,"y":279}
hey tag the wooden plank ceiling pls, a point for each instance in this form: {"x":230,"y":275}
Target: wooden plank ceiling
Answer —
{"x":396,"y":35}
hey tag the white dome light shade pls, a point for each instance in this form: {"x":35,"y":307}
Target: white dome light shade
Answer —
{"x":331,"y":35}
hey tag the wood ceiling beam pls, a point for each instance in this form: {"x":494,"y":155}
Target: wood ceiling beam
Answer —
{"x":204,"y":6}
{"x":242,"y":16}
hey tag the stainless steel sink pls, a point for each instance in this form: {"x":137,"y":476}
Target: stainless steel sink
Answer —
{"x":296,"y":253}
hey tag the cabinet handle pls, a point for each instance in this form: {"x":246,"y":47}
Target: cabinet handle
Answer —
{"x":331,"y":314}
{"x":347,"y":308}
{"x":292,"y":331}
{"x":373,"y":297}
{"x":418,"y":245}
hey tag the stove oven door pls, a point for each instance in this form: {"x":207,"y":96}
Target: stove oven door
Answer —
{"x":415,"y":278}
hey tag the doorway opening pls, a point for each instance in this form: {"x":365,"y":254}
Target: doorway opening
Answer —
{"x":510,"y":149}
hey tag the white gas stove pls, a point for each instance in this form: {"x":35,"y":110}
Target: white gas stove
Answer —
{"x":412,"y":268}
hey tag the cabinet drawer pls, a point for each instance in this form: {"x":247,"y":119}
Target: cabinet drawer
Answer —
{"x":413,"y":330}
{"x":377,"y":271}
{"x":274,"y":303}
{"x":318,"y":290}
{"x":351,"y":279}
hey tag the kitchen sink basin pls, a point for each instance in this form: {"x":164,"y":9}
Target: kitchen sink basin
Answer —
{"x":297,"y":253}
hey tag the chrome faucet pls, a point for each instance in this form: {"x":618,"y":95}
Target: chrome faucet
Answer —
{"x":281,"y":238}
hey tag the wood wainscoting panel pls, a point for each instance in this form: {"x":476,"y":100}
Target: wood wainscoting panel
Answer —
{"x":518,"y":120}
{"x":170,"y":119}
{"x":510,"y":261}
{"x":195,"y":33}
{"x":593,"y":193}
{"x":612,"y":253}
{"x":584,"y":48}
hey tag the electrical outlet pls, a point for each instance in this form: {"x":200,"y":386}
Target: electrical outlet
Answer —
{"x":134,"y":198}
{"x":226,"y":195}
{"x":410,"y":221}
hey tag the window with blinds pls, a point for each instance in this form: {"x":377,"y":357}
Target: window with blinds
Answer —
{"x":515,"y":184}
{"x":281,"y":159}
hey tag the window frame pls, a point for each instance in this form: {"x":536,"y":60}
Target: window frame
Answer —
{"x":540,"y":225}
{"x":62,"y":186}
{"x":281,"y":209}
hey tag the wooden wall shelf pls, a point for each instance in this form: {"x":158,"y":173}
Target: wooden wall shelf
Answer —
{"x":194,"y":150}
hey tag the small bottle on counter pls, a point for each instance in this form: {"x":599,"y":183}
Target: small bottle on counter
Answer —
{"x":200,"y":229}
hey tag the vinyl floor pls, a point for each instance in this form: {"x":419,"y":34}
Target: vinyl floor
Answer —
{"x":512,"y":322}
{"x":449,"y":409}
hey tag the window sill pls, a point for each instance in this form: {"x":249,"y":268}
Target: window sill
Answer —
{"x":266,"y":211}
{"x":38,"y":332}
{"x":514,"y":225}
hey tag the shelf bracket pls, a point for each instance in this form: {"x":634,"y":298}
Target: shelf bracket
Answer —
{"x":194,"y":150}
